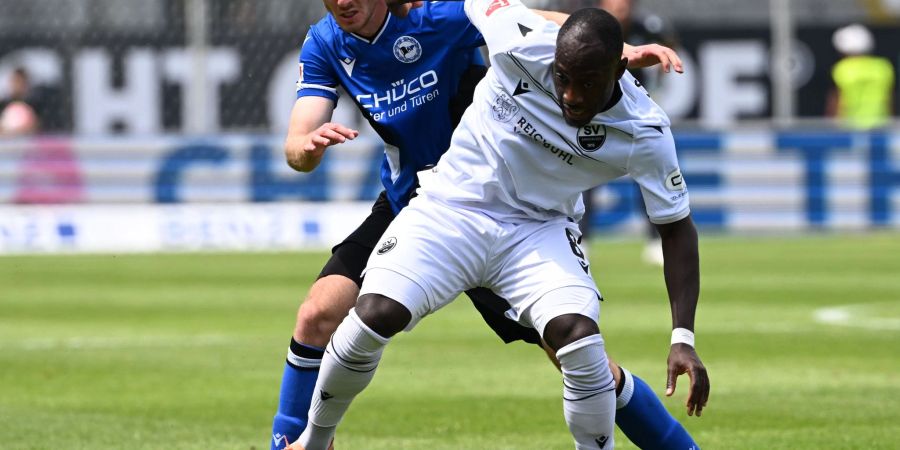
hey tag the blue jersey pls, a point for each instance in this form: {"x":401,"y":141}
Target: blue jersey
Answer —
{"x":404,"y":81}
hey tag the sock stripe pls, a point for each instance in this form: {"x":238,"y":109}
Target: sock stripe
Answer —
{"x":596,"y":393}
{"x":624,"y":397}
{"x":306,"y":351}
{"x":302,"y":363}
{"x":304,"y":357}
{"x":347,"y":364}
{"x":566,"y":385}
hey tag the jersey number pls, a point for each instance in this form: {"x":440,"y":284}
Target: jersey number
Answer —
{"x":576,"y":249}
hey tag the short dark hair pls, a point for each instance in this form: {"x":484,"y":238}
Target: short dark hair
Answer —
{"x":594,"y":26}
{"x":20,"y":72}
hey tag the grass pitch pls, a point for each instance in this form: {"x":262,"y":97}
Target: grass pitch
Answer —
{"x":801,"y":338}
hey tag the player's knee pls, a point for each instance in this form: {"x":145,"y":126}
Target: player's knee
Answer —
{"x":383,"y":315}
{"x":316,"y":322}
{"x":568,"y":328}
{"x":584,"y":364}
{"x":325,"y":307}
{"x":356,"y":345}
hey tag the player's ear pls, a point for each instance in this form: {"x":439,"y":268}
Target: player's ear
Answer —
{"x":620,"y":70}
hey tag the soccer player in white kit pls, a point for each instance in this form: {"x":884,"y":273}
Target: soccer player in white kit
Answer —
{"x":556,"y":115}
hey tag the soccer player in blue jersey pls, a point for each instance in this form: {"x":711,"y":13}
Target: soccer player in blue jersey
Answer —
{"x":411,"y":78}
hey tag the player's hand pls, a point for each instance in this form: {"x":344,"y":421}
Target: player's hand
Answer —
{"x":683,"y":359}
{"x":652,"y":54}
{"x":327,"y":135}
{"x":401,"y":8}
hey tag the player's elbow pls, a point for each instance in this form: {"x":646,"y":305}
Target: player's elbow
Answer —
{"x":679,"y":229}
{"x":295,"y":160}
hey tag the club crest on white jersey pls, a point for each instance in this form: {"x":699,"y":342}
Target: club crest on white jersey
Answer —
{"x":591,"y":137}
{"x":504,"y":108}
{"x":387,"y":245}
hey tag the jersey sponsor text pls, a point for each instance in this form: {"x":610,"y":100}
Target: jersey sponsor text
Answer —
{"x":526,"y":128}
{"x":401,"y":96}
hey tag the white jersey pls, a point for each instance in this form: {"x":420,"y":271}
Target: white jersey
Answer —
{"x":513,"y":155}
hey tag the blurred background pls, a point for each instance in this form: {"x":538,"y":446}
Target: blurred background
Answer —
{"x":174,"y":111}
{"x":156,"y":128}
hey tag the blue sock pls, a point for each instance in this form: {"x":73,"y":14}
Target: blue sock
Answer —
{"x":645,"y":421}
{"x":297,"y":384}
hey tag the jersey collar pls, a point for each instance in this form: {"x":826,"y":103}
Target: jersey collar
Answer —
{"x":377,"y":35}
{"x":616,"y":97}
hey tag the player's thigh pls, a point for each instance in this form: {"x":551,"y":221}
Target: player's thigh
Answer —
{"x":335,"y":291}
{"x":348,"y":259}
{"x":493,"y":309}
{"x":543,"y":257}
{"x":439,"y":249}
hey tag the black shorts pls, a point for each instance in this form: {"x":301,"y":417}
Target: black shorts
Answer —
{"x":349,"y":258}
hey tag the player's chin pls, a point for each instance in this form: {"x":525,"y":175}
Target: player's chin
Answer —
{"x":575,"y":120}
{"x":349,"y":22}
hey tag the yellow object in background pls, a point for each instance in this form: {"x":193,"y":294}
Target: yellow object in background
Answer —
{"x":865,"y":84}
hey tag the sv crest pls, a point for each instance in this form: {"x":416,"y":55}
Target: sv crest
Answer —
{"x":591,"y":137}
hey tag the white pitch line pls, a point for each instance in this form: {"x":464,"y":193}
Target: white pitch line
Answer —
{"x":857,"y":316}
{"x":113,"y":342}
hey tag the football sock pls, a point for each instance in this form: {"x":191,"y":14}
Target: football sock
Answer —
{"x":589,"y":397}
{"x":347,"y":368}
{"x":297,"y":384}
{"x":644,"y":419}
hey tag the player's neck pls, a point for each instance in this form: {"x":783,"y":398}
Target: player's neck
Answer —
{"x":379,"y":16}
{"x":616,"y":96}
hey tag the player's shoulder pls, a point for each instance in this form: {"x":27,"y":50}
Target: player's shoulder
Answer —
{"x":324,"y":32}
{"x":434,"y":15}
{"x":442,"y":9}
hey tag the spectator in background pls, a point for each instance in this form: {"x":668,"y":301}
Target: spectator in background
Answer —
{"x":17,"y":115}
{"x":864,"y":82}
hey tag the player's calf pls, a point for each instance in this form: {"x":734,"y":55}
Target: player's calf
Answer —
{"x":328,"y":302}
{"x":644,"y":419}
{"x":589,"y":390}
{"x":349,"y":364}
{"x":589,"y":397}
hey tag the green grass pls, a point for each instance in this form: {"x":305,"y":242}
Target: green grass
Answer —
{"x":186,"y":352}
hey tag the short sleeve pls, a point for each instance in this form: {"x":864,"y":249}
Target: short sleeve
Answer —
{"x":503,"y":23}
{"x":316,"y":77}
{"x":452,"y":18}
{"x":654,"y":166}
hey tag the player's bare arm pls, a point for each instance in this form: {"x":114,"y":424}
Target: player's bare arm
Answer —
{"x":682,"y":273}
{"x":311,"y":131}
{"x":652,"y":54}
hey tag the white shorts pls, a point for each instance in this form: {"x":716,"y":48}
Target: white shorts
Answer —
{"x":432,"y":252}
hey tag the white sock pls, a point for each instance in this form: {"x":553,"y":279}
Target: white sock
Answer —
{"x":348,"y":366}
{"x":589,"y":393}
{"x":627,"y":389}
